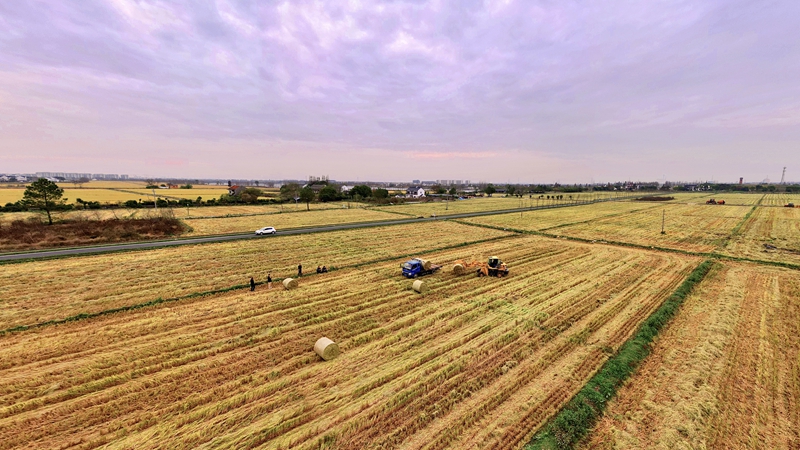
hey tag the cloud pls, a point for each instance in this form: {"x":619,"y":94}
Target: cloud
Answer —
{"x":440,"y":80}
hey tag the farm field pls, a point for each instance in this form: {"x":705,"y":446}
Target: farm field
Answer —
{"x":474,"y":363}
{"x":10,"y":195}
{"x":287,"y":220}
{"x":177,"y":212}
{"x":39,"y":291}
{"x":71,"y":194}
{"x":777,"y":227}
{"x":441,"y":208}
{"x":545,"y":219}
{"x":781,"y":199}
{"x":736,"y":198}
{"x":724,"y":374}
{"x":695,"y":228}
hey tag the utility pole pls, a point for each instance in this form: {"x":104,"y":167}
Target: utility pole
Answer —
{"x":663,"y":219}
{"x":155,"y":200}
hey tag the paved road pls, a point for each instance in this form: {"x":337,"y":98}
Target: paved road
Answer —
{"x":250,"y":235}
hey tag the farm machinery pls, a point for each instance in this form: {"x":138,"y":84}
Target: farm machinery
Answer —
{"x":711,"y":201}
{"x":418,"y":267}
{"x":493,"y":268}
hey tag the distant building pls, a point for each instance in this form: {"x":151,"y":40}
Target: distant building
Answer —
{"x":415,"y":192}
{"x":235,"y":190}
{"x":345,"y":189}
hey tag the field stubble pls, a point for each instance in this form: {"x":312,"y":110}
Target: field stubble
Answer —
{"x":39,"y":291}
{"x":476,"y":362}
{"x":723,"y":375}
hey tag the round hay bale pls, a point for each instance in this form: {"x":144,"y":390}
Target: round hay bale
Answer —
{"x":420,"y":286}
{"x":326,"y":348}
{"x":289,"y":283}
{"x":459,"y":269}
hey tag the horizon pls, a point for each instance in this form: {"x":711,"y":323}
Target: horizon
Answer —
{"x":510,"y":93}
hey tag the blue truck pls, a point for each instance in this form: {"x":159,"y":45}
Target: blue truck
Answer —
{"x":417,"y":267}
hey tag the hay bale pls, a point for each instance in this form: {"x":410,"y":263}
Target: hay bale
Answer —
{"x":426,"y":264}
{"x":420,"y":286}
{"x":459,"y":269}
{"x":326,"y":348}
{"x":289,"y":283}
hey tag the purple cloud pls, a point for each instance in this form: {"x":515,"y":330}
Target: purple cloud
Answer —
{"x":563,"y":91}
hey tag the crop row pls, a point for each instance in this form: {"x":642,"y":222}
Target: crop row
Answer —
{"x":549,"y":219}
{"x":39,"y":291}
{"x":418,"y":371}
{"x":723,"y":375}
{"x":768,"y":234}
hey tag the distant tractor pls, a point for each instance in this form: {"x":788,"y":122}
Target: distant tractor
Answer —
{"x":494,"y":268}
{"x":715,"y":202}
{"x":417,"y":267}
{"x":789,"y":205}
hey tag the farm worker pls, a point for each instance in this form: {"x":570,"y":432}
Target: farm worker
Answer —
{"x":252,"y":284}
{"x":269,"y":280}
{"x":324,"y":269}
{"x":319,"y":269}
{"x":299,"y":270}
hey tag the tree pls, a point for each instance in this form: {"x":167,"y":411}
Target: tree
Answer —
{"x":380,"y":193}
{"x":79,"y":182}
{"x":438,"y":189}
{"x":453,"y":191}
{"x":44,"y":195}
{"x":290,"y":191}
{"x":361,"y":190}
{"x":490,"y":189}
{"x":307,"y":195}
{"x":250,"y":195}
{"x":510,"y":190}
{"x":329,"y":194}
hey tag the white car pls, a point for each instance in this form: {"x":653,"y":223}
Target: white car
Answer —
{"x":266,"y":230}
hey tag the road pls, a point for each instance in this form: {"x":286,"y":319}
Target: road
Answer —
{"x":57,"y":253}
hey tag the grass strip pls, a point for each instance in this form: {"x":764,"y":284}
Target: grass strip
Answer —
{"x":575,"y":420}
{"x":738,"y":226}
{"x":160,"y":300}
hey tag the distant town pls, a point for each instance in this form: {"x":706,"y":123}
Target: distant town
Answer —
{"x":418,"y":187}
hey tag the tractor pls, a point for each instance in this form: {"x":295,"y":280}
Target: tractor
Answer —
{"x":494,"y":267}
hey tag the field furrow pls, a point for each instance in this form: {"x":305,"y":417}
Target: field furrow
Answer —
{"x":236,"y":369}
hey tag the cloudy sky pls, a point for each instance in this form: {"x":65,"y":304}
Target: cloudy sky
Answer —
{"x":503,"y":91}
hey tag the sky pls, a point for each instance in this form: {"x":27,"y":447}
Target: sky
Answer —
{"x":500,"y":91}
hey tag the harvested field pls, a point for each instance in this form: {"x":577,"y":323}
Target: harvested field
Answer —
{"x":285,"y":220}
{"x":781,"y":199}
{"x":473,"y":363}
{"x":39,"y":291}
{"x":723,"y":375}
{"x":735,"y":198}
{"x":545,"y":219}
{"x":768,"y":234}
{"x":695,"y":228}
{"x":442,"y":208}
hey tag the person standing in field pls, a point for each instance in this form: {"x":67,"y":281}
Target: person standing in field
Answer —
{"x":252,"y":284}
{"x":300,"y":270}
{"x":269,"y":280}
